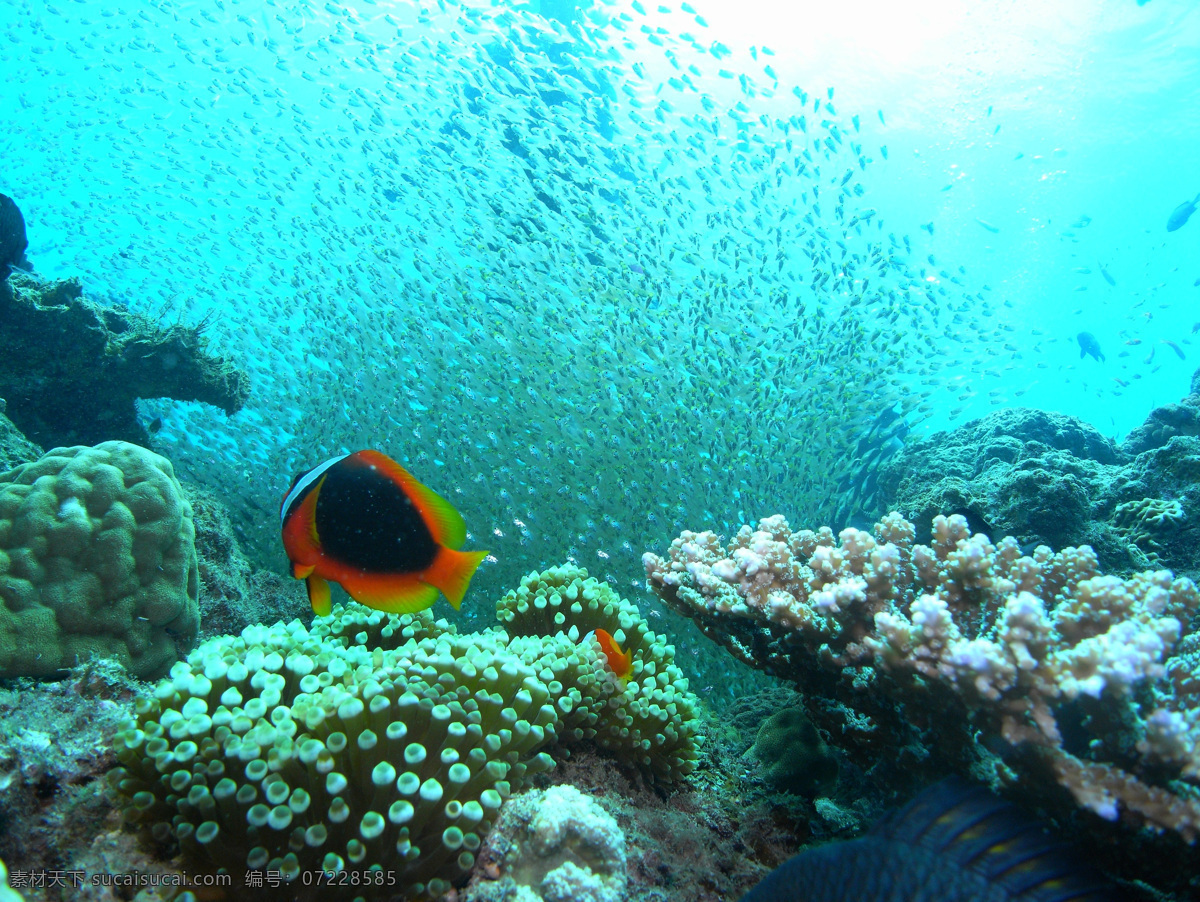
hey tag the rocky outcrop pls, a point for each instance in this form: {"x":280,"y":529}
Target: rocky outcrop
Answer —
{"x":71,"y":369}
{"x":1047,"y":478}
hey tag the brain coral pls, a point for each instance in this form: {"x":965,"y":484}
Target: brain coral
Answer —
{"x":96,"y":558}
{"x":373,"y":746}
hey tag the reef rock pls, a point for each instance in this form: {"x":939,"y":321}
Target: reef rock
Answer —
{"x":233,"y":593}
{"x":15,"y":448}
{"x":1050,"y":479}
{"x":71,"y":369}
{"x":55,"y":742}
{"x":1025,"y":473}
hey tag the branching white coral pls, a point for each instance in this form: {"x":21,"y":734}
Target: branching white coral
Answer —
{"x":1014,"y":635}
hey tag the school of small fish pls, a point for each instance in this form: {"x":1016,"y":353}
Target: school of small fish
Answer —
{"x":585,"y":280}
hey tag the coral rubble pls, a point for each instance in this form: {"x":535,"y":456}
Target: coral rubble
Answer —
{"x":55,"y":747}
{"x":71,"y":369}
{"x":554,"y":845}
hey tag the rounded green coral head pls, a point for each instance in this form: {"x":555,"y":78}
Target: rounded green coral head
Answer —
{"x":794,"y":756}
{"x":97,"y":558}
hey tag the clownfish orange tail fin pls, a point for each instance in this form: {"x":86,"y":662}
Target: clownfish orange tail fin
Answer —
{"x":451,"y":573}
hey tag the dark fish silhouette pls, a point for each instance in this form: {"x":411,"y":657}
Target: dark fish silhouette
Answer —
{"x":1181,"y":214}
{"x":952,"y":843}
{"x":1089,"y":345}
{"x":12,"y":237}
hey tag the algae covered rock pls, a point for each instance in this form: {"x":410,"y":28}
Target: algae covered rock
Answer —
{"x":1050,"y":479}
{"x":1026,"y":473}
{"x":15,"y":448}
{"x":71,"y":369}
{"x":794,"y":756}
{"x":97,"y":559}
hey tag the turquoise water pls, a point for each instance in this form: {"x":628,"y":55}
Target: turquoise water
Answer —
{"x":598,"y":282}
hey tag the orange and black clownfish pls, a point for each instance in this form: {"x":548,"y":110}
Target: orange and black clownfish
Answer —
{"x":364,"y":522}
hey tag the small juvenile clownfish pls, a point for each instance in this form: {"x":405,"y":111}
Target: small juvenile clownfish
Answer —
{"x":364,"y":522}
{"x":619,"y":662}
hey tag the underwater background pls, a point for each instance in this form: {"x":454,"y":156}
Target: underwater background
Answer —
{"x":602,"y":274}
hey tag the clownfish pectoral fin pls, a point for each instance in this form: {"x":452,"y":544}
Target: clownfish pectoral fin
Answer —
{"x":318,"y":594}
{"x":451,"y":572}
{"x":301,"y":571}
{"x":445,"y":523}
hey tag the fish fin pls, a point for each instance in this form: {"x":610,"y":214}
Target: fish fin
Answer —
{"x":446,"y":524}
{"x":972,"y":828}
{"x":451,"y":572}
{"x":318,"y":595}
{"x":621,"y":665}
{"x":307,"y":514}
{"x":301,"y":571}
{"x":406,"y":599}
{"x":300,"y":531}
{"x":393,"y":593}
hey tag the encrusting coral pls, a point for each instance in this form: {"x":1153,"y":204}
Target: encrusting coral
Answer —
{"x":96,"y":559}
{"x":556,"y":845}
{"x":1143,"y":522}
{"x":378,"y":748}
{"x":1014,"y":637}
{"x":793,"y":756}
